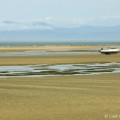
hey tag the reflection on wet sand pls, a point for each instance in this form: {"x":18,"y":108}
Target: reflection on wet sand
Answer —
{"x":60,"y":69}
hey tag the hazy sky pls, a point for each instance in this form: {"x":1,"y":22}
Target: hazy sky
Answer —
{"x":62,"y":12}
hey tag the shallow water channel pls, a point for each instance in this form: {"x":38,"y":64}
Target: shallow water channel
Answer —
{"x":62,"y":69}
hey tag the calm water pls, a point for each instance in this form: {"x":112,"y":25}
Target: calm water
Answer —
{"x":56,"y":43}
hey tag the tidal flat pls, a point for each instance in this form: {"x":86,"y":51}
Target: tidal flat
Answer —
{"x":59,"y":69}
{"x":86,"y":97}
{"x":60,"y":97}
{"x":59,"y":59}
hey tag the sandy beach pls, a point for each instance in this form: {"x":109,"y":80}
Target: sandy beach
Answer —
{"x":89,"y":97}
{"x":60,"y":98}
{"x":27,"y":48}
{"x":59,"y":59}
{"x":54,"y":58}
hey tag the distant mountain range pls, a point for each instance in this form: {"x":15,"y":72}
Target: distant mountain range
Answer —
{"x":83,"y":33}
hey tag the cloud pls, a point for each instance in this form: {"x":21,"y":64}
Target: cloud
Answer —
{"x":97,"y":21}
{"x":28,"y":25}
{"x":49,"y":23}
{"x":8,"y":22}
{"x":81,"y":21}
{"x":39,"y":23}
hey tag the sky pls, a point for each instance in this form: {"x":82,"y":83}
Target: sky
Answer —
{"x":60,"y":13}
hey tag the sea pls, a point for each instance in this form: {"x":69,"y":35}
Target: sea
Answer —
{"x":7,"y":44}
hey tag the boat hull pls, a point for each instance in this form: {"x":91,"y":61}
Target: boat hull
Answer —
{"x":110,"y":51}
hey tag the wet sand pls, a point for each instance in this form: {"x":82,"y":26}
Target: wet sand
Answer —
{"x":59,"y":59}
{"x":54,"y":58}
{"x":58,"y":70}
{"x":60,"y":98}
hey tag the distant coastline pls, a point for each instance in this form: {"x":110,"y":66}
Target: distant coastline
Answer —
{"x":7,"y":44}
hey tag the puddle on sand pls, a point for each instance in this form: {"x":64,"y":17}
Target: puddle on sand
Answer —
{"x":64,"y":69}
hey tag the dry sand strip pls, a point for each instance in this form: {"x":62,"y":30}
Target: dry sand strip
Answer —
{"x":59,"y":59}
{"x":60,"y":98}
{"x":29,"y":48}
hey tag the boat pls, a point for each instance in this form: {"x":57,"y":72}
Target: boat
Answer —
{"x":109,"y":51}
